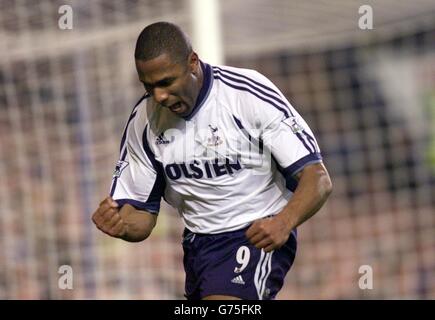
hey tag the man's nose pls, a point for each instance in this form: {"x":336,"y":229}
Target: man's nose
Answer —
{"x":160,"y":95}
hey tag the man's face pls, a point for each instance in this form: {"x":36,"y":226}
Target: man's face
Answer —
{"x":172,"y":85}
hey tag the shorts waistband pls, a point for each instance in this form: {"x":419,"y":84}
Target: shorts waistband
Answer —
{"x":197,"y":234}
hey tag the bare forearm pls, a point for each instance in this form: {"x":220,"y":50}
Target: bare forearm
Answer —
{"x":313,"y":189}
{"x":139,"y":224}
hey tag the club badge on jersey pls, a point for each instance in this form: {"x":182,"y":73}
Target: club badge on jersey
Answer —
{"x":214,"y":140}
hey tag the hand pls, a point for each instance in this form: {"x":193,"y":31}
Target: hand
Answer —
{"x":108,"y":219}
{"x":268,"y":233}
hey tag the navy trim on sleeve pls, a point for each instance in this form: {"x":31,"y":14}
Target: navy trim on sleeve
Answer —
{"x":288,"y":173}
{"x":294,"y":168}
{"x":151,"y":207}
{"x":290,"y":182}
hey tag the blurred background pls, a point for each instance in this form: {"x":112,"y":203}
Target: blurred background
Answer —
{"x":368,"y":95}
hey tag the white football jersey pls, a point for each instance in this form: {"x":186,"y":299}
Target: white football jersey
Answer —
{"x":230,"y":162}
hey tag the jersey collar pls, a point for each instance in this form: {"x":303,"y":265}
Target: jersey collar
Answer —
{"x":205,"y":90}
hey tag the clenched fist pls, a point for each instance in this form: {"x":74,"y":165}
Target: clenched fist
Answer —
{"x":268,"y":233}
{"x":108,"y":219}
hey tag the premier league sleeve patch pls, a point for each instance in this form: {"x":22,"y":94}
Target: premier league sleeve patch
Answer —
{"x":120,"y":166}
{"x":293,"y":124}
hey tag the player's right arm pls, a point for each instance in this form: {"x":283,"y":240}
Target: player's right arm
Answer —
{"x":126,"y":223}
{"x":131,"y":209}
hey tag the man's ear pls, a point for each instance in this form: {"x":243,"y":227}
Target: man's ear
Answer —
{"x":194,"y":62}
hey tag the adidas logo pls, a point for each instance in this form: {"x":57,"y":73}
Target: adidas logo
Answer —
{"x":238,"y":280}
{"x":161,"y":139}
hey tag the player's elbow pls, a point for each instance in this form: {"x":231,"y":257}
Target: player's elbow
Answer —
{"x":144,"y":233}
{"x":135,"y":238}
{"x":317,"y":176}
{"x":325,"y":184}
{"x":137,"y":235}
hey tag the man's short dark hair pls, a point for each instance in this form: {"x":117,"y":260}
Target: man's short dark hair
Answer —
{"x":163,"y":37}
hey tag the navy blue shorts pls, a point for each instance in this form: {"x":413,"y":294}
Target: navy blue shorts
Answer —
{"x":227,"y":264}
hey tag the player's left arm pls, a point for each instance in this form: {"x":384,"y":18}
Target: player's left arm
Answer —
{"x":314,"y":187}
{"x":288,"y":138}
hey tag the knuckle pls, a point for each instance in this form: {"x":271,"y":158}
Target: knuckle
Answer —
{"x":113,"y":211}
{"x":116,"y":228}
{"x":114,"y":220}
{"x":108,"y":214}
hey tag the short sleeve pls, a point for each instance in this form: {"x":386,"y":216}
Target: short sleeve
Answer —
{"x":292,"y":144}
{"x":271,"y":119}
{"x":138,"y":178}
